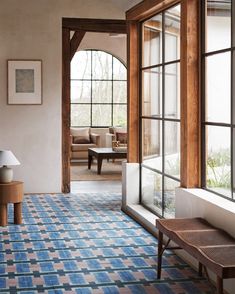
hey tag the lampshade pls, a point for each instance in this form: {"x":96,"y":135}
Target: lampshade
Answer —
{"x":8,"y":158}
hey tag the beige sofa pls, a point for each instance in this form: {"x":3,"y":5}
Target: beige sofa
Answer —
{"x":81,"y":140}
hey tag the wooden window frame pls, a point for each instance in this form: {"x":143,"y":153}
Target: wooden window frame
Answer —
{"x":162,"y":119}
{"x":190,"y":172}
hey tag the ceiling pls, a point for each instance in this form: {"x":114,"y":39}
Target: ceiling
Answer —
{"x":125,"y":4}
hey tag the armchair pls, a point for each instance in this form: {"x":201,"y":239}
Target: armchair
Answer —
{"x":116,"y":134}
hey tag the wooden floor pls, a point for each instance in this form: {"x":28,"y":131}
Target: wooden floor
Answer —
{"x":96,"y":186}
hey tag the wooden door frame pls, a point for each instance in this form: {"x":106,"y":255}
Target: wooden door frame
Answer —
{"x":69,"y":47}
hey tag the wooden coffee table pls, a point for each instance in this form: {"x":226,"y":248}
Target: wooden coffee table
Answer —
{"x":103,"y":153}
{"x":11,"y":193}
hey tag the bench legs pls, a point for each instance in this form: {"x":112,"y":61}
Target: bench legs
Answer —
{"x":219,"y":285}
{"x":200,"y":269}
{"x":159,"y":257}
{"x":200,"y":266}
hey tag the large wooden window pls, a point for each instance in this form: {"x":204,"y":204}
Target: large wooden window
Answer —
{"x":160,"y":111}
{"x":98,"y":90}
{"x":218,"y":110}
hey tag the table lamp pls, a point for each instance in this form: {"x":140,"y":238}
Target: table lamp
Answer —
{"x":7,"y":158}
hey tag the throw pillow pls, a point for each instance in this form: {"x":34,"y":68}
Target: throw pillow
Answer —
{"x":81,"y":140}
{"x":120,"y":130}
{"x":81,"y":135}
{"x":111,"y":130}
{"x":121,"y":137}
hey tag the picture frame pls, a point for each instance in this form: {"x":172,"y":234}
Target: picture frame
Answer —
{"x":24,"y":82}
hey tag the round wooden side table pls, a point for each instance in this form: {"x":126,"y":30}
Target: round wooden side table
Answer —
{"x":11,"y":193}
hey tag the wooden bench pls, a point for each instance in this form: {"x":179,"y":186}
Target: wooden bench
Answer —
{"x":212,"y":247}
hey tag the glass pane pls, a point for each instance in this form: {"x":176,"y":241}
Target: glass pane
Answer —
{"x":120,"y":115}
{"x":101,"y":92}
{"x":218,"y":88}
{"x":233,"y":163}
{"x":101,"y":65}
{"x":119,"y":92}
{"x":152,"y":92}
{"x":218,"y":166}
{"x":80,"y":115}
{"x":169,"y":197}
{"x":101,"y":115}
{"x":172,"y":148}
{"x":81,"y":65}
{"x":218,"y":25}
{"x":151,"y":190}
{"x":172,"y":91}
{"x":119,"y":70}
{"x":172,"y":34}
{"x":151,"y":143}
{"x":80,"y":91}
{"x":152,"y":41}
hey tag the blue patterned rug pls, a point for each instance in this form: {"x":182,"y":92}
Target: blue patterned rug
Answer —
{"x":84,"y":244}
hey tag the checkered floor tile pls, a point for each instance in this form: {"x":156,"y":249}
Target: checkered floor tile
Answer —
{"x":85,"y":244}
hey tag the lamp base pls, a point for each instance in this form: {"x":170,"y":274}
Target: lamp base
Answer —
{"x":6,"y":174}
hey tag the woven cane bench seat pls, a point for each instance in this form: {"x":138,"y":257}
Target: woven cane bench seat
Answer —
{"x":212,"y":247}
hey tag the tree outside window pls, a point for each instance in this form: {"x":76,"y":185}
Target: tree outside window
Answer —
{"x":98,"y":90}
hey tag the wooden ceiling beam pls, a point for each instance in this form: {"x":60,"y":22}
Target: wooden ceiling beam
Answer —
{"x":75,"y":42}
{"x":95,"y":25}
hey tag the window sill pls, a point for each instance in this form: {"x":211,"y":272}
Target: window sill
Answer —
{"x":143,"y":216}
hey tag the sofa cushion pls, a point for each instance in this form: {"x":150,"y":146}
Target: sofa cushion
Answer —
{"x":82,"y":147}
{"x":81,"y":140}
{"x":81,"y":135}
{"x":119,"y":130}
{"x":121,"y":137}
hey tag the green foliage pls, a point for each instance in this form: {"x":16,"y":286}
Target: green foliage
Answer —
{"x":120,"y":122}
{"x":218,"y":169}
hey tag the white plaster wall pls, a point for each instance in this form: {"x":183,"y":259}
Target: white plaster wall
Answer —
{"x":114,"y":45}
{"x":130,"y":184}
{"x":31,"y":29}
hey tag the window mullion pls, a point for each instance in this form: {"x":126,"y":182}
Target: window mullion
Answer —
{"x":91,"y":109}
{"x":163,"y":113}
{"x":99,"y":83}
{"x":112,"y":96}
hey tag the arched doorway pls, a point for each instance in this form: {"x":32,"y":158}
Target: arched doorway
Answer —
{"x":69,"y":47}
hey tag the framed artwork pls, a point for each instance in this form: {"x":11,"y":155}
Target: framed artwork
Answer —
{"x":24,"y":81}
